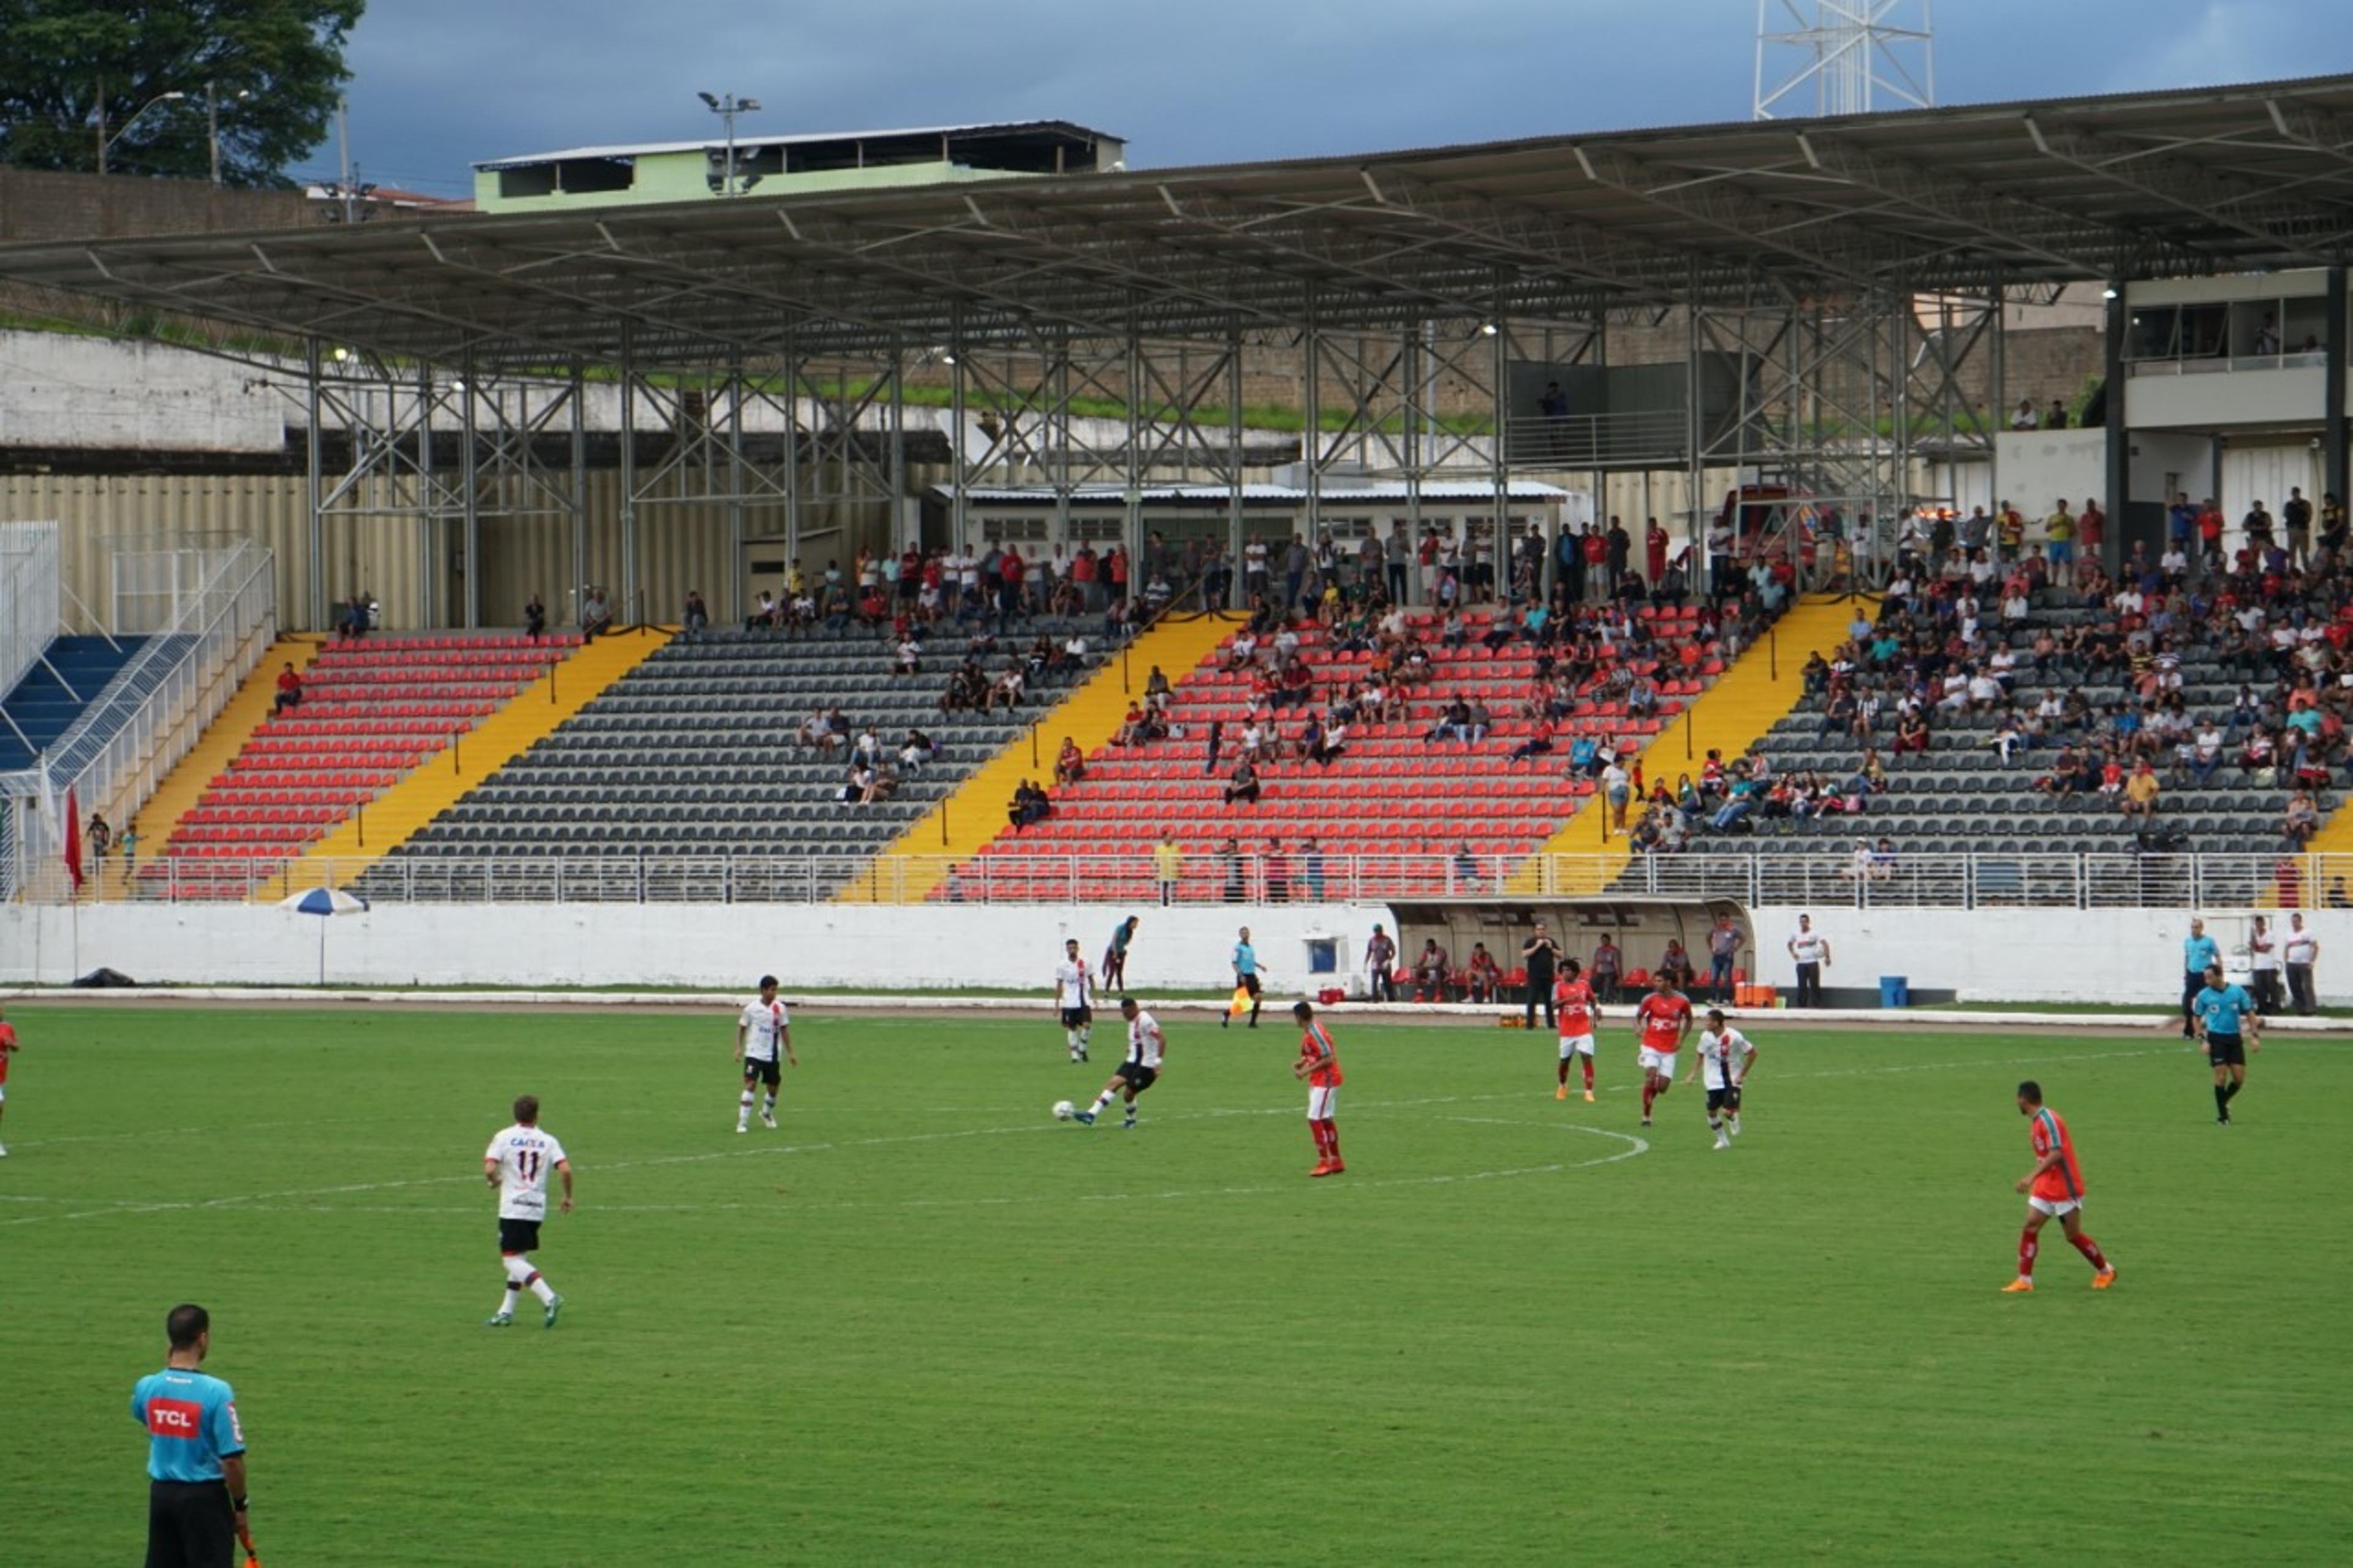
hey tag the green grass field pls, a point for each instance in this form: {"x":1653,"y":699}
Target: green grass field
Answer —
{"x":924,"y":1322}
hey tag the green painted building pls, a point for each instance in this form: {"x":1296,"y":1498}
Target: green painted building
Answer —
{"x":582,"y":177}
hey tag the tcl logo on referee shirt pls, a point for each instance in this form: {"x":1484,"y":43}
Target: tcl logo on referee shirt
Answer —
{"x":174,"y":1417}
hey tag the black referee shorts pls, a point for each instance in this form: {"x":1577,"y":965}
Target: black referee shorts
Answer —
{"x":190,"y":1525}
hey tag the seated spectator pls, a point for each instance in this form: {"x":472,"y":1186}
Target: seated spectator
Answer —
{"x":696,"y":617}
{"x":1069,"y":763}
{"x":1243,"y":786}
{"x":915,"y":751}
{"x":1911,"y":735}
{"x":1004,"y":692}
{"x":1430,"y":970}
{"x":818,"y":729}
{"x":596,"y":616}
{"x":290,"y":690}
{"x":2139,"y":794}
{"x":1675,"y":966}
{"x":1330,"y":745}
{"x":1483,"y":978}
{"x":2301,"y":821}
{"x":1536,"y":745}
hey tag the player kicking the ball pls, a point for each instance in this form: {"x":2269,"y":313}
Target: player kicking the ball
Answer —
{"x":2054,"y":1188}
{"x":1140,"y":1071}
{"x":1573,"y":1006}
{"x":517,"y":1163}
{"x":1074,"y":995}
{"x":1725,"y":1054}
{"x":1319,"y":1066}
{"x":765,"y":1028}
{"x":1662,"y":1019}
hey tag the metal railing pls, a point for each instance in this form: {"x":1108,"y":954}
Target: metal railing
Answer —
{"x":152,"y":712}
{"x":1981,"y":881}
{"x":28,"y":596}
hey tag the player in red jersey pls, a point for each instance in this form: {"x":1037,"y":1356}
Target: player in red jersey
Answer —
{"x":1662,"y":1019}
{"x":1573,"y":1006}
{"x":8,"y":1047}
{"x":2054,"y":1188}
{"x":1319,"y":1066}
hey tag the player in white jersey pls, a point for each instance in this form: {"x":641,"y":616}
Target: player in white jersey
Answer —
{"x":1725,"y":1054}
{"x":1074,"y":994}
{"x":1139,"y":1071}
{"x":517,"y":1163}
{"x":763,"y":1030}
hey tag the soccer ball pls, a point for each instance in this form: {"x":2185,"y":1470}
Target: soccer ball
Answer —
{"x":1064,"y":1110}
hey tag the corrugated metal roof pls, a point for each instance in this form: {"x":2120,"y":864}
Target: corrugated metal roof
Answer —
{"x":747,"y":140}
{"x":2199,"y":182}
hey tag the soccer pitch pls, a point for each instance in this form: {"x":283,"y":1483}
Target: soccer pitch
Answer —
{"x":923,"y":1322}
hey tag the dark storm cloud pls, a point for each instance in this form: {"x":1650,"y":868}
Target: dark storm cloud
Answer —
{"x":440,"y":83}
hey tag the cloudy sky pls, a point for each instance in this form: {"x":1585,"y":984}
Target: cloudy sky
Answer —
{"x":438,"y":84}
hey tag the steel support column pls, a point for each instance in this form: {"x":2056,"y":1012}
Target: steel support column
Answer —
{"x":2116,"y":447}
{"x":469,"y":480}
{"x":2332,"y":443}
{"x":314,"y":484}
{"x":629,"y":519}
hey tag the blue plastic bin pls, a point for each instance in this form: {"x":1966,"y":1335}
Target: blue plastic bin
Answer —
{"x":1895,"y":991}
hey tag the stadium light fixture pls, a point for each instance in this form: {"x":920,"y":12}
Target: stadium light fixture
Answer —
{"x":727,"y":107}
{"x":1489,"y":329}
{"x":2109,"y":292}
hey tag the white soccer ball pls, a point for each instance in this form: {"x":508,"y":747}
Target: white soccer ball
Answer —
{"x":1064,"y":1110}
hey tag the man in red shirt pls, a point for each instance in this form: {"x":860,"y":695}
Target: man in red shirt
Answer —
{"x":2054,"y":1188}
{"x":8,"y":1047}
{"x":1319,"y":1067}
{"x":1662,"y":1018}
{"x":1573,"y":1004}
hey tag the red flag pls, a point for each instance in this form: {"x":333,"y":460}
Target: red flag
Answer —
{"x":73,"y":838}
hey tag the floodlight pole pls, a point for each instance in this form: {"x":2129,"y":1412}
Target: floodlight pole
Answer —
{"x":727,"y":106}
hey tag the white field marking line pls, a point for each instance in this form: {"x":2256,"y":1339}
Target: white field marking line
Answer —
{"x":132,"y":1205}
{"x":1634,"y":1146}
{"x":266,"y":1200}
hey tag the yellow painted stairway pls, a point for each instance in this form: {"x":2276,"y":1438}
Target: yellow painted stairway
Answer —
{"x":1091,"y":715}
{"x":1755,"y":693}
{"x":534,"y":713}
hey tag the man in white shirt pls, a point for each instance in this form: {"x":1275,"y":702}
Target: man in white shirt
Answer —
{"x":2264,"y":965}
{"x":2302,"y":950}
{"x":1811,"y":950}
{"x":517,"y":1165}
{"x":1138,"y":1070}
{"x":1725,"y":1055}
{"x":762,"y":1029}
{"x":1074,"y":992}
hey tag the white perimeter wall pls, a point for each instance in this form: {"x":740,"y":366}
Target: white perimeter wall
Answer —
{"x":2007,"y":954}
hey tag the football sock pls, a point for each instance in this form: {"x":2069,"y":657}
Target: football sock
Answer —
{"x":1103,"y":1100}
{"x":1332,"y":1141}
{"x":2026,"y":1247}
{"x":2231,"y":1090}
{"x":769,"y":1109}
{"x":2222,"y":1097}
{"x":542,"y":1289}
{"x":744,"y":1109}
{"x":2090,"y":1249}
{"x":507,"y":1302}
{"x":1086,"y":1032}
{"x":1589,"y":1070}
{"x":1649,"y":1094}
{"x":1564,"y":1069}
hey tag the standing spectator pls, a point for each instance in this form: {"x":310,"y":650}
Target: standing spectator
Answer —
{"x":1539,"y":954}
{"x":1115,"y":958}
{"x":2302,"y":950}
{"x":2297,"y":515}
{"x":2199,"y":953}
{"x":1722,"y":949}
{"x":98,"y":838}
{"x":1654,"y":552}
{"x":2263,"y":966}
{"x":1380,"y":965}
{"x":1811,"y":950}
{"x":196,"y":1450}
{"x":1278,"y":873}
{"x":534,"y":619}
{"x":1617,"y":546}
{"x":1617,"y":793}
{"x":130,"y":850}
{"x":1168,"y":865}
{"x":1393,"y":555}
{"x":696,"y":617}
{"x":1229,"y":860}
{"x":1310,"y":869}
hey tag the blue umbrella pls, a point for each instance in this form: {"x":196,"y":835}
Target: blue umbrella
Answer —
{"x":323,"y":903}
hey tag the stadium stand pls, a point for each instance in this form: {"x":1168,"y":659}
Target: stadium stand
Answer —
{"x":371,"y":710}
{"x":1426,"y":725}
{"x":55,"y":692}
{"x":2016,"y":717}
{"x":710,"y":748}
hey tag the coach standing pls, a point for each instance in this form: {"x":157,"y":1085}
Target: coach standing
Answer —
{"x":2199,"y":953}
{"x":2302,"y":950}
{"x":1539,"y":954}
{"x":195,"y":1452}
{"x":1811,"y":950}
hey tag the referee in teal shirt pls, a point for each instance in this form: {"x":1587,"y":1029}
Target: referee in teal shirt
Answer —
{"x":195,"y":1453}
{"x":2199,"y":953}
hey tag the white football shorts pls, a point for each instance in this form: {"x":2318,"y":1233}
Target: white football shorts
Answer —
{"x":1576,"y":1045}
{"x":2054,"y":1208}
{"x":1322,"y":1103}
{"x":1660,"y":1062}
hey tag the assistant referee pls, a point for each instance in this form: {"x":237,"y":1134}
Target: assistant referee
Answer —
{"x":195,"y":1452}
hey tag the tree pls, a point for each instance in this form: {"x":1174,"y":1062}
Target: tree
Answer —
{"x":68,"y":66}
